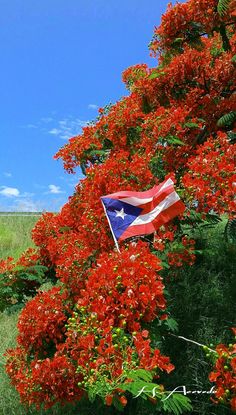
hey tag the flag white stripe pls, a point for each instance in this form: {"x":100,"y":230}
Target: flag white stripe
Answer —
{"x":168,"y":183}
{"x":136,"y":201}
{"x":149,"y":217}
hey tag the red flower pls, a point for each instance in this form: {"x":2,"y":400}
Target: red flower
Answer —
{"x":108,"y":400}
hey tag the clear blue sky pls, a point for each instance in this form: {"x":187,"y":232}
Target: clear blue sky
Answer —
{"x":60,"y":60}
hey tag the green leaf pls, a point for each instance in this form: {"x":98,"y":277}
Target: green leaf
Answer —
{"x":65,"y":228}
{"x":191,"y":125}
{"x":141,"y":385}
{"x":141,"y":388}
{"x":172,"y":324}
{"x":175,"y":140}
{"x":156,"y":75}
{"x":227,"y":119}
{"x":140,"y":374}
{"x":230,"y":231}
{"x":198,"y":251}
{"x":233,"y":59}
{"x":165,"y":264}
{"x":178,"y":40}
{"x":177,"y":404}
{"x":223,"y":6}
{"x":232,"y":137}
{"x":213,"y":218}
{"x":91,"y":395}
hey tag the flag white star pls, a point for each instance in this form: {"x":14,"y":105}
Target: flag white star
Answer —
{"x":120,"y":213}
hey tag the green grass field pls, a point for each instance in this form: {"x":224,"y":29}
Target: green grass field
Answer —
{"x":15,"y":237}
{"x":15,"y":234}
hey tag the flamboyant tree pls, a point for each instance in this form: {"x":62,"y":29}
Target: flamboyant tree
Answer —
{"x":92,"y":333}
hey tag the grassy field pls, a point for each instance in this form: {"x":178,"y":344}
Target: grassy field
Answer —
{"x":9,"y":401}
{"x":15,"y":237}
{"x":15,"y":234}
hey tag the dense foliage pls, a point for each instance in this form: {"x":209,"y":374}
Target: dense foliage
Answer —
{"x":20,"y":280}
{"x":99,"y":332}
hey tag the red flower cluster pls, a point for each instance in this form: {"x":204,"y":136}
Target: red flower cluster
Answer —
{"x":211,"y":180}
{"x":6,"y":265}
{"x":125,"y":288}
{"x":103,"y":337}
{"x":48,"y":381}
{"x":131,"y":75}
{"x":42,"y":322}
{"x":224,"y":375}
{"x":186,"y":22}
{"x":183,"y":254}
{"x":29,"y":258}
{"x":121,"y":291}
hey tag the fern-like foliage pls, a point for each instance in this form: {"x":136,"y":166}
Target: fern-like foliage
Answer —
{"x":232,"y":137}
{"x":223,"y":6}
{"x":230,"y":230}
{"x":177,"y":404}
{"x":227,"y":120}
{"x":141,"y":386}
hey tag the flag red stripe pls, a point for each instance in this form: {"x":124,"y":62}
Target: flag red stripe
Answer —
{"x":148,"y":207}
{"x":164,"y":217}
{"x":141,"y":195}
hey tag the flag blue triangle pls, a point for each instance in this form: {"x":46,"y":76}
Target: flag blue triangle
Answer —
{"x":121,"y":215}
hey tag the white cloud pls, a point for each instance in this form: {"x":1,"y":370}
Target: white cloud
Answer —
{"x":46,"y":119}
{"x":12,"y":192}
{"x":7,"y":174}
{"x":54,"y":131}
{"x":54,"y":189}
{"x":68,"y":127}
{"x":62,"y":123}
{"x":28,"y":205}
{"x":26,"y":194}
{"x":31,"y":126}
{"x":9,"y":191}
{"x":93,"y":107}
{"x":65,"y":128}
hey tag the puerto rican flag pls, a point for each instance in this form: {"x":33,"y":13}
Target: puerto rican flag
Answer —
{"x":141,"y":213}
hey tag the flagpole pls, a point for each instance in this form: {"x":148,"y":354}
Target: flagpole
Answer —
{"x":115,"y":240}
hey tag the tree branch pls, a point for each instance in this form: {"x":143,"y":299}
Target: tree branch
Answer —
{"x":192,"y":341}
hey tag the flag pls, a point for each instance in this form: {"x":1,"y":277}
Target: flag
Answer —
{"x":141,"y":213}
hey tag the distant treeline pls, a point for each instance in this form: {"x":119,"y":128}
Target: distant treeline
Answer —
{"x":21,"y":213}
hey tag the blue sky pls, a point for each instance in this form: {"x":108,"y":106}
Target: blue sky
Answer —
{"x":60,"y":61}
